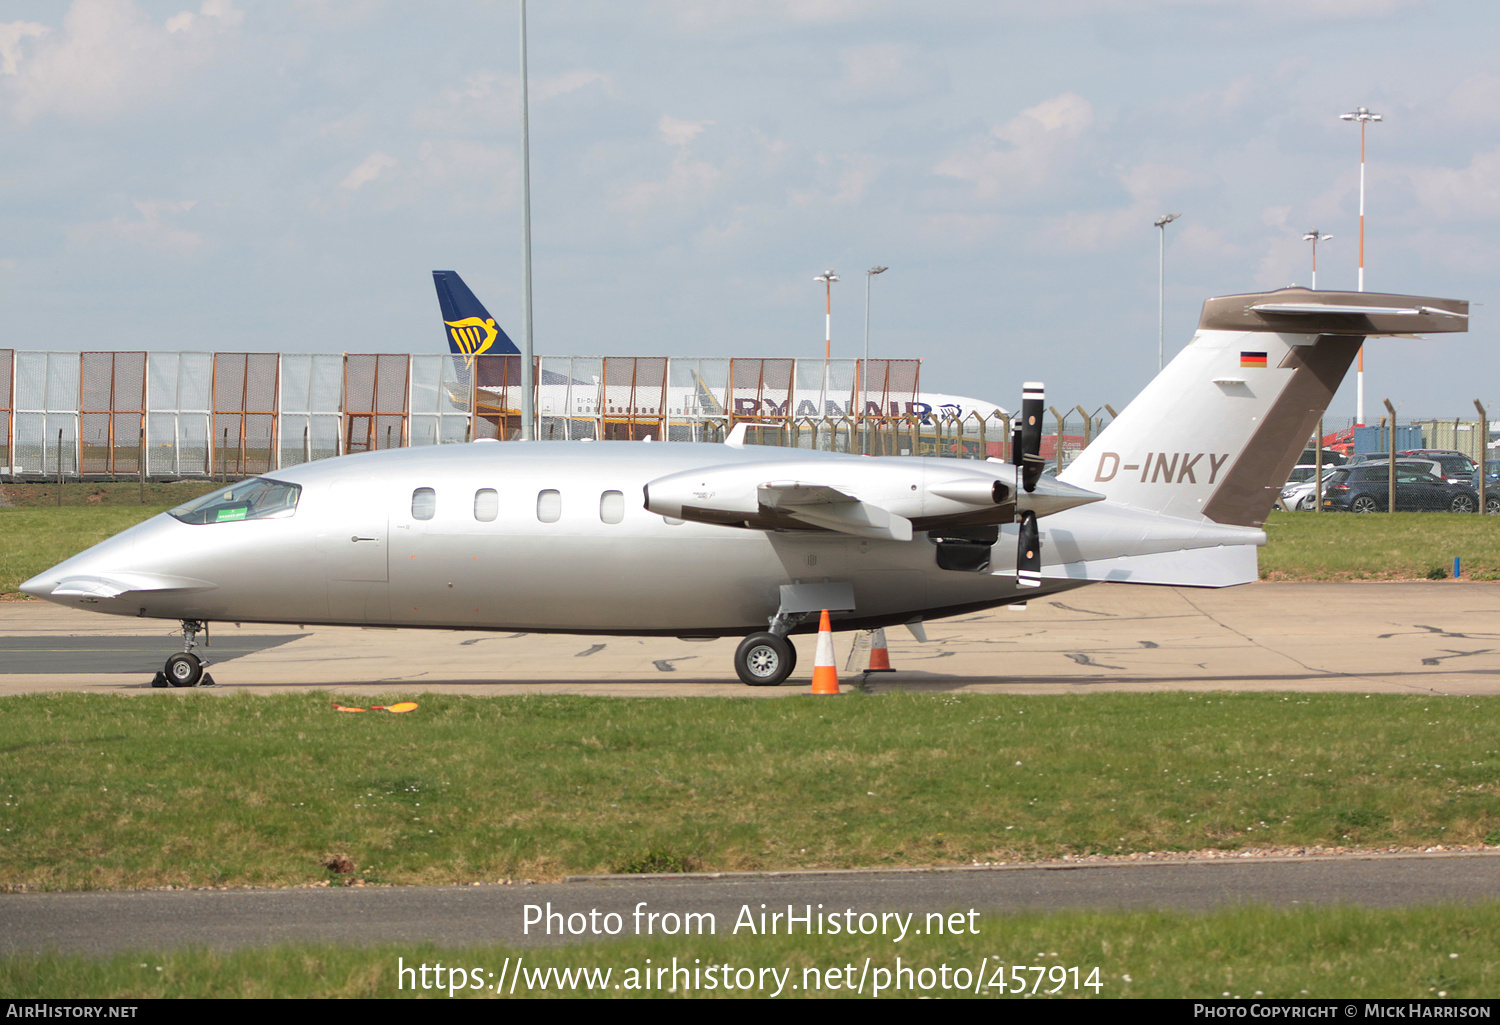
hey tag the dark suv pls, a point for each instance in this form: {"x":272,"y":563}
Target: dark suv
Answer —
{"x":1365,"y":489}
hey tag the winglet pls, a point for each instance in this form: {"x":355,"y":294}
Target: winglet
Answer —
{"x":736,"y":438}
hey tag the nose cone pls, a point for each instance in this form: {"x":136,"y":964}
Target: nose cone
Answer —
{"x":40,"y":586}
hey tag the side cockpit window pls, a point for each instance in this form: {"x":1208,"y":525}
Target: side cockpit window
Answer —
{"x":259,"y":499}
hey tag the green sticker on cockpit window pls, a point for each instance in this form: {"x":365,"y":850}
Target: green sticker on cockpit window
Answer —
{"x":231,"y":514}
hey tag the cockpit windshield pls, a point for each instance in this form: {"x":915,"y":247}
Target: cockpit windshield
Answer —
{"x":257,"y":499}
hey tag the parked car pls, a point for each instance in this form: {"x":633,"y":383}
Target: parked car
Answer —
{"x":1365,"y":488}
{"x":1300,"y":494}
{"x":1457,"y":467}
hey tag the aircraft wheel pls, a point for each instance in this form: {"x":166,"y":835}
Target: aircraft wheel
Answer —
{"x":1464,"y":504}
{"x":764,"y":660}
{"x":184,"y":670}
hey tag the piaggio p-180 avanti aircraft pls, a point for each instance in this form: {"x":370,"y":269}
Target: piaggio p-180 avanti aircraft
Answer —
{"x":699,"y":540}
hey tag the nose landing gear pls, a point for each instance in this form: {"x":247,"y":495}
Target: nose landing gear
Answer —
{"x":186,"y":669}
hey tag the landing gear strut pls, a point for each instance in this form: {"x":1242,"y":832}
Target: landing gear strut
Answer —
{"x":186,"y":669}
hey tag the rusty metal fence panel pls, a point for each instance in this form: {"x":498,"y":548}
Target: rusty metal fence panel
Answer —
{"x":376,"y":388}
{"x":7,"y":389}
{"x":112,"y":412}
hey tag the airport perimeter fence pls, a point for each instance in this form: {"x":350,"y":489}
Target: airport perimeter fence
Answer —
{"x":167,"y":415}
{"x":164,"y":415}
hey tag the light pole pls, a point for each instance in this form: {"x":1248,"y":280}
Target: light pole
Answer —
{"x":828,"y":277}
{"x":1313,"y":237}
{"x":528,"y":409}
{"x":1364,"y":117}
{"x":864,"y":367}
{"x":1161,"y":288}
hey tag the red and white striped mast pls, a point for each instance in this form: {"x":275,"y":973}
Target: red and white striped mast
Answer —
{"x":1364,"y":117}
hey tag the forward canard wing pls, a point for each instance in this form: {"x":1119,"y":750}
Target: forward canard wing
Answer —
{"x":819,"y":505}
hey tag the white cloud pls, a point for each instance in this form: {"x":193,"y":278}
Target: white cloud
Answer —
{"x":149,"y":232}
{"x":886,"y":72}
{"x":11,"y":35}
{"x":368,"y":170}
{"x":697,"y":15}
{"x":487,"y":99}
{"x":677,"y":132}
{"x":1025,"y":152}
{"x":109,"y":57}
{"x":1460,"y":192}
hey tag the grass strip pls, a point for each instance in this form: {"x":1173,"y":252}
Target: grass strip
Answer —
{"x":1380,"y":546}
{"x":200,"y":789}
{"x":1242,"y":952}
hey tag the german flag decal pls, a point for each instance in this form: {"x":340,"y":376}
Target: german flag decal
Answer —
{"x":1253,"y":359}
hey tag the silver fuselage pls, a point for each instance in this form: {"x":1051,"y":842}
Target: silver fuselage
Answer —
{"x":353,"y":553}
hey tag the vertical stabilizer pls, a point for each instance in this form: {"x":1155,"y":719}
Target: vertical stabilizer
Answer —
{"x":1217,"y":432}
{"x":467,"y":325}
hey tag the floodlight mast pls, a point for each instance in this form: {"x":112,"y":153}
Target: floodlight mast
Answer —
{"x":864,"y":366}
{"x":1313,"y":237}
{"x":1364,"y":117}
{"x":1161,"y":288}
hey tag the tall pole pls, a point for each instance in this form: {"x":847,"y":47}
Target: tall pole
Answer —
{"x":1313,"y":237}
{"x":864,"y":366}
{"x":1364,"y":117}
{"x":1161,"y":288}
{"x":528,"y":372}
{"x":828,"y":277}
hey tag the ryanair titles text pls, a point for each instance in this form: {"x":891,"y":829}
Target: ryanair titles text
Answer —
{"x":805,"y":920}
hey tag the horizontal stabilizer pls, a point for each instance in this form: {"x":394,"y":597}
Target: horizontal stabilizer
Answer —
{"x":1304,"y":311}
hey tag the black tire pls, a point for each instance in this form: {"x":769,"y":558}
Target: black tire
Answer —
{"x":1307,"y":501}
{"x":1364,"y":504}
{"x":1492,"y":505}
{"x":1464,"y":504}
{"x":764,"y":660}
{"x":184,"y":670}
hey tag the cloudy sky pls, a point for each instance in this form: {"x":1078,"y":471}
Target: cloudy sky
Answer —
{"x":284,"y":174}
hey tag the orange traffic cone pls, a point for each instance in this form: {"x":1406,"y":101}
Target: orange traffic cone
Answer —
{"x":880,"y":655}
{"x":825,"y":675}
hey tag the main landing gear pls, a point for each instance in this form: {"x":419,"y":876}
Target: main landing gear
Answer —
{"x":766,"y":659}
{"x":186,"y":669}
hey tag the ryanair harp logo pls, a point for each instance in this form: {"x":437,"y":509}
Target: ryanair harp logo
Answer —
{"x":472,"y":335}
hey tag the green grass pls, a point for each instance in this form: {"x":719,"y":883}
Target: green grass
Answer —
{"x":1242,"y":952}
{"x":105,"y":792}
{"x":1379,"y":546}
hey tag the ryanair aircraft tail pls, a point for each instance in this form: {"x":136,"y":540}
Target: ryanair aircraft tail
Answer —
{"x":470,"y":329}
{"x":1215,"y":435}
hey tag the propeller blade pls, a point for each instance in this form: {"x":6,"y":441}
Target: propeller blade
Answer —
{"x":1028,"y":552}
{"x":1033,"y":395}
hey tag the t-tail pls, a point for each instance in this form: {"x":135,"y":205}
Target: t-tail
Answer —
{"x":468,"y":326}
{"x":1215,"y":435}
